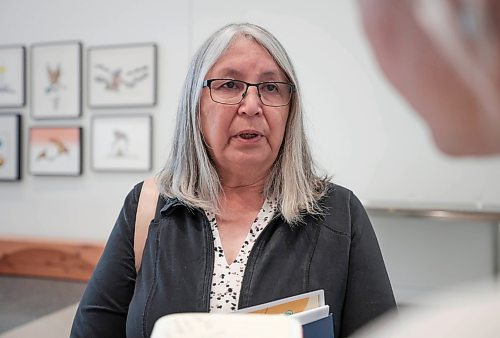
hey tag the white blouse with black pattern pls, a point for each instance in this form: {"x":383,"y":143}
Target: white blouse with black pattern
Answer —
{"x":226,"y":279}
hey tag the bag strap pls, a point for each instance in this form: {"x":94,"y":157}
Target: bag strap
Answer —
{"x":146,"y":209}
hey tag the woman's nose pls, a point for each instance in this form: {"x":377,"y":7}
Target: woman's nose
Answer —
{"x":251,"y":103}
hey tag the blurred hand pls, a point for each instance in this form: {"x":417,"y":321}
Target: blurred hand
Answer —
{"x":422,"y":72}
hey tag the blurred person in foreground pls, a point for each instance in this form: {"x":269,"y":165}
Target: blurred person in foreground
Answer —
{"x":243,"y":217}
{"x":443,"y":56}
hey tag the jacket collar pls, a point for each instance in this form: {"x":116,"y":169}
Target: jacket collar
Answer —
{"x":173,"y":203}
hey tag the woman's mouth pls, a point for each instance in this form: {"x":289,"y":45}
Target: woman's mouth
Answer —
{"x":248,"y":136}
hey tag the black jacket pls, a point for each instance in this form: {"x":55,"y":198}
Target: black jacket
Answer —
{"x":337,"y":252}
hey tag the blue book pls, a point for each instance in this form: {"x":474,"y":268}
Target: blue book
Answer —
{"x":321,"y":328}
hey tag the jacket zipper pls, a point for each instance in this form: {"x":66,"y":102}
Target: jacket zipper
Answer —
{"x":209,"y":270}
{"x":252,"y":257}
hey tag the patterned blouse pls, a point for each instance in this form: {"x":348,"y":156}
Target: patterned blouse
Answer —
{"x":226,"y":280}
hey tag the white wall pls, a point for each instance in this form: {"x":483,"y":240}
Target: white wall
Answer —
{"x":85,"y":207}
{"x":425,"y":255}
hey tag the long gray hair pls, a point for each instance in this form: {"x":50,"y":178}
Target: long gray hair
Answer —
{"x":190,"y":175}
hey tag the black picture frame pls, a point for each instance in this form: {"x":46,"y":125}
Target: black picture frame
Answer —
{"x":55,"y":151}
{"x":10,"y":147}
{"x":12,"y":76}
{"x":122,"y":143}
{"x":122,"y":76}
{"x":56,"y":80}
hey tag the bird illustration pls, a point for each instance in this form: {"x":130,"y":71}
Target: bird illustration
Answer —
{"x":3,"y":70}
{"x":54,"y":76}
{"x":115,"y":79}
{"x":54,"y":149}
{"x":5,"y":87}
{"x":119,"y":147}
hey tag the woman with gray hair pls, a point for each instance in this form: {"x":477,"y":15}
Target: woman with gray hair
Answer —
{"x":243,"y":218}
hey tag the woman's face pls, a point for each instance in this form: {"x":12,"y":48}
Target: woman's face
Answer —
{"x":244,"y":137}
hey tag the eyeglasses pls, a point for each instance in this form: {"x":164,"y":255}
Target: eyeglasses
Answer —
{"x":271,"y":93}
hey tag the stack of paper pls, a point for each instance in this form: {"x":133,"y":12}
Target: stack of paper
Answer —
{"x":206,"y":325}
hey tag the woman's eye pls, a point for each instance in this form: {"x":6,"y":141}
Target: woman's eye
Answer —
{"x":229,"y":84}
{"x":270,"y":87}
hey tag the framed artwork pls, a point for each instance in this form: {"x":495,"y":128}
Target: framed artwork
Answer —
{"x":55,"y":151}
{"x":10,"y":147}
{"x":122,"y":143}
{"x":12,"y":76}
{"x":122,"y":76}
{"x":56,"y":80}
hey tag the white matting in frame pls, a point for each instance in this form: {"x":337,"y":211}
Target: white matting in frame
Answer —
{"x":10,"y":147}
{"x":122,"y":76}
{"x":55,"y":151}
{"x":56,"y":80}
{"x":12,"y":76}
{"x":122,"y":143}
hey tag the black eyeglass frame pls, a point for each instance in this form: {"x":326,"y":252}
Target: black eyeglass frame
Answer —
{"x":207,"y":83}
